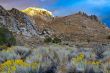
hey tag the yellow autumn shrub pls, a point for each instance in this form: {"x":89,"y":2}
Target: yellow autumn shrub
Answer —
{"x":93,"y":62}
{"x":78,"y":58}
{"x":10,"y":66}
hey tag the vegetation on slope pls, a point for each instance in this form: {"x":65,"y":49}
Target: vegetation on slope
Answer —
{"x":6,"y":37}
{"x":52,"y":40}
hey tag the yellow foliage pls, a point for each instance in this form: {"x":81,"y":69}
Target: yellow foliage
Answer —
{"x":78,"y":58}
{"x":93,"y":62}
{"x":11,"y":65}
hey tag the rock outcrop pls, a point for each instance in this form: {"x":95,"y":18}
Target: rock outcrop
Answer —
{"x":17,"y":21}
{"x":25,"y":27}
{"x":40,"y":17}
{"x":38,"y":12}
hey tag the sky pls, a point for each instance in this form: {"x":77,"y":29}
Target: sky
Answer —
{"x":101,"y":8}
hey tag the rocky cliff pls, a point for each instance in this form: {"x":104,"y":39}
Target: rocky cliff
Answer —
{"x":17,"y":21}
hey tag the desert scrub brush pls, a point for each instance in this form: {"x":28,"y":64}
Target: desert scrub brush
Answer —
{"x":11,"y":66}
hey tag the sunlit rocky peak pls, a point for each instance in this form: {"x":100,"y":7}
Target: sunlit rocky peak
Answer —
{"x":37,"y":11}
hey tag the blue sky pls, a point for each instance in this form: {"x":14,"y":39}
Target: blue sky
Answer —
{"x":101,"y":8}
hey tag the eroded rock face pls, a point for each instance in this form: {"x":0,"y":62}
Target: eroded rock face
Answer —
{"x":40,"y":17}
{"x":17,"y":21}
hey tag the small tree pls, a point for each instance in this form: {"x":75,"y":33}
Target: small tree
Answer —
{"x":6,"y":37}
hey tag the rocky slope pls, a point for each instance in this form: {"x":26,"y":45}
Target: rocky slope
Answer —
{"x":80,"y":27}
{"x":30,"y":26}
{"x":40,"y":17}
{"x":17,"y":22}
{"x":27,"y":24}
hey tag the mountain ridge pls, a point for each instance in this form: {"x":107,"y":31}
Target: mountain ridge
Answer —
{"x":29,"y":29}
